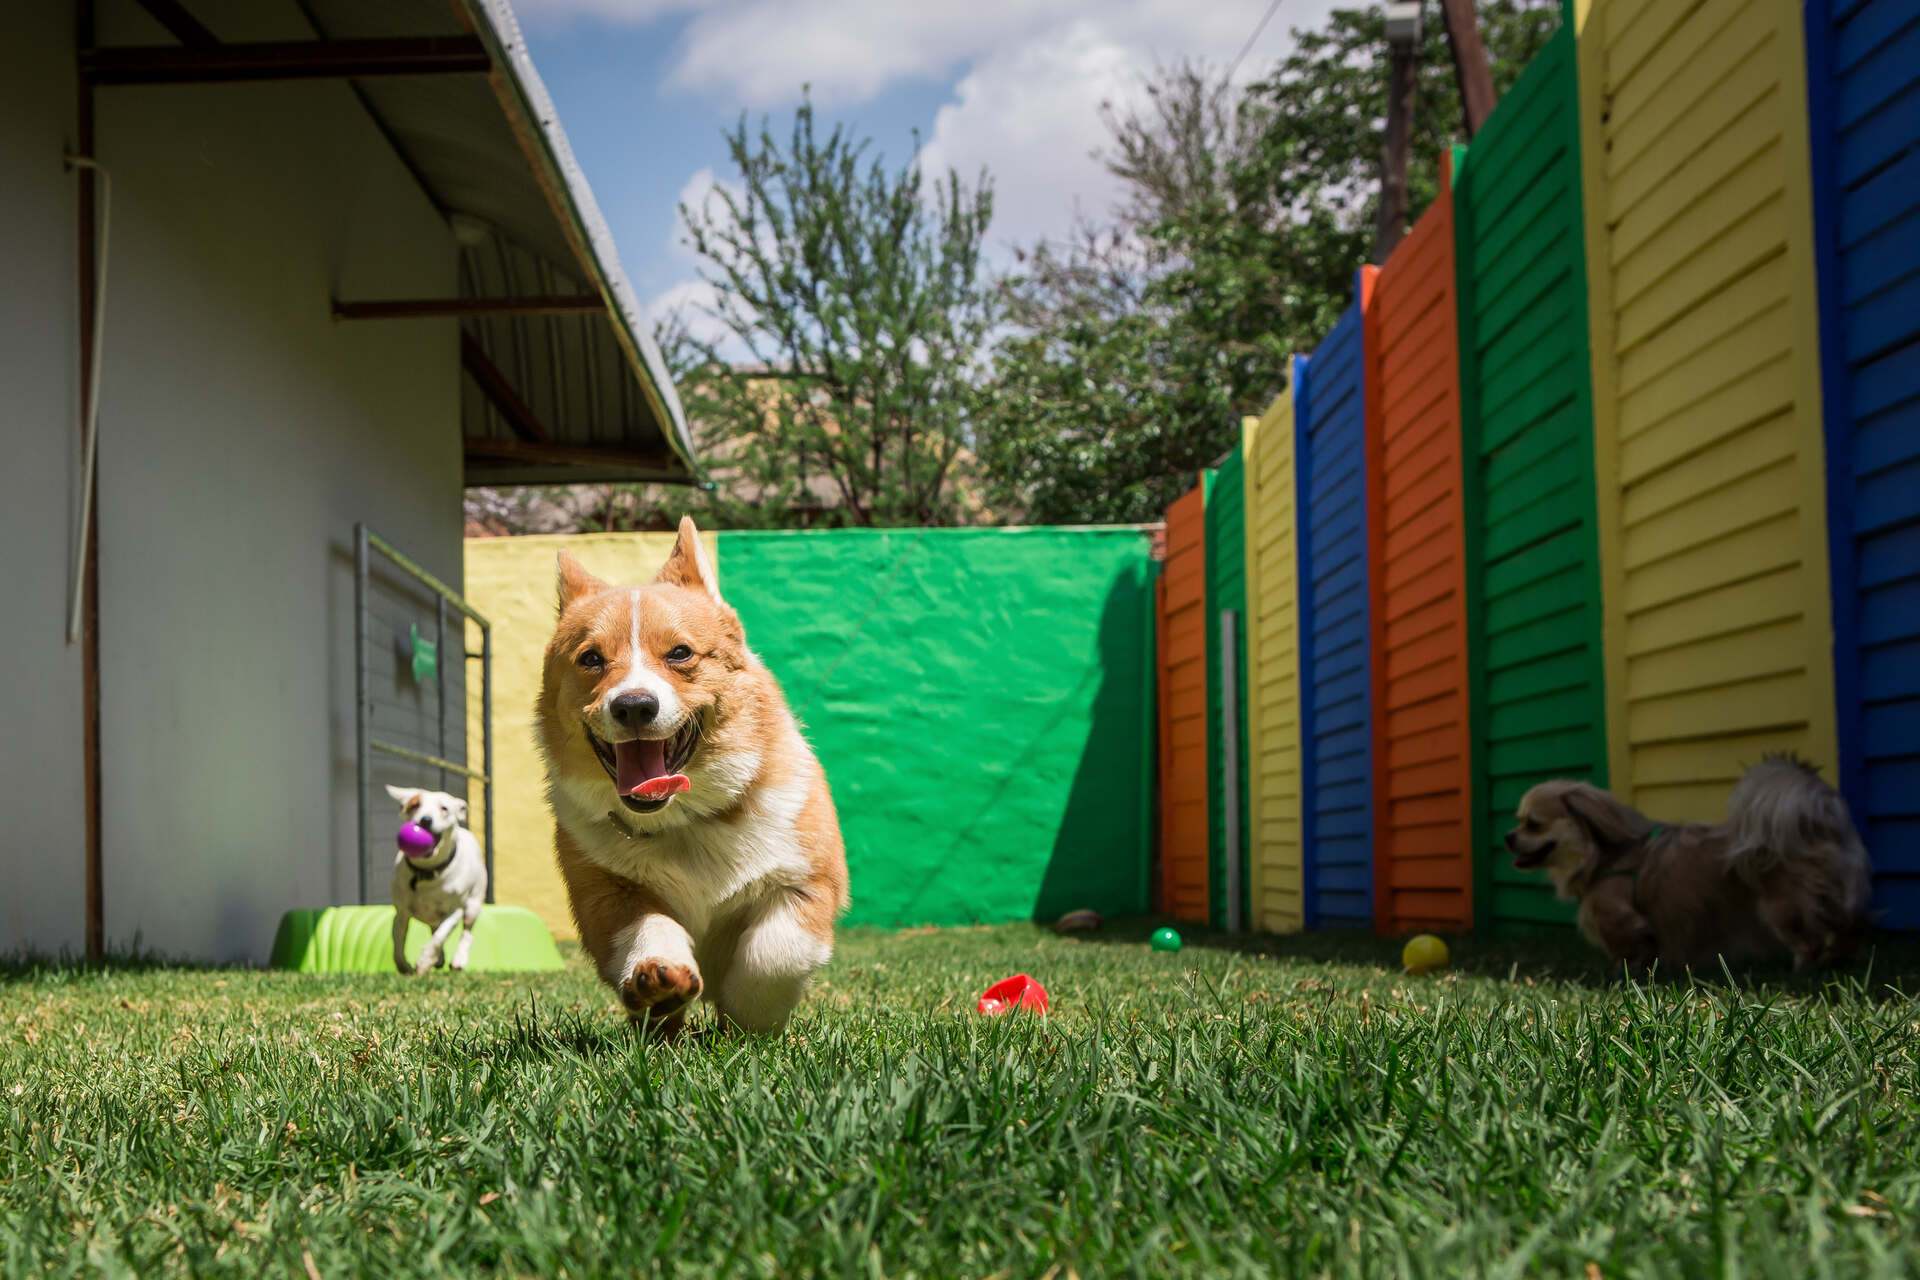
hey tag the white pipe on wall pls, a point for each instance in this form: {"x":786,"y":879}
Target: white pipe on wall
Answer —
{"x":90,"y":427}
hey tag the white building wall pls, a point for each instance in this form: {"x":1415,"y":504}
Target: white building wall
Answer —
{"x":243,"y":432}
{"x":42,"y":830}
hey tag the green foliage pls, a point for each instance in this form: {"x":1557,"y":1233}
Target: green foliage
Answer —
{"x":854,"y":310}
{"x":1322,"y":111}
{"x":1299,"y":1108}
{"x":1139,"y":346}
{"x":1080,"y":423}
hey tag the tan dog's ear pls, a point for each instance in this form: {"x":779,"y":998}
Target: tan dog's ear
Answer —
{"x":689,"y":565}
{"x":1612,"y":827}
{"x":575,"y":583}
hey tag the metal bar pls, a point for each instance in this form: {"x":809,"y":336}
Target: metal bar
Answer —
{"x":440,"y":677}
{"x":486,"y":738}
{"x":360,"y":698}
{"x":438,"y":762}
{"x":180,"y":24}
{"x":365,"y":540}
{"x":420,"y":575}
{"x":480,"y":449}
{"x":552,"y":304}
{"x":1230,"y":760}
{"x":500,"y":393}
{"x":288,"y":60}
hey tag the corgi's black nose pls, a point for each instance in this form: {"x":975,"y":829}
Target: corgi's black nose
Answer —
{"x":632,"y":710}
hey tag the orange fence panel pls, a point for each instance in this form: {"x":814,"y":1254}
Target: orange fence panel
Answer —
{"x":1183,"y":710}
{"x":1422,"y":858}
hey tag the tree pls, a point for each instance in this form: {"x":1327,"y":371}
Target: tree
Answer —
{"x":1079,"y":424}
{"x":1325,"y":107}
{"x":1246,"y":213}
{"x":854,"y":312}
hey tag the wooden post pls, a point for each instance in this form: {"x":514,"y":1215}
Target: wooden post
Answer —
{"x":1469,"y":63}
{"x":1403,"y":85}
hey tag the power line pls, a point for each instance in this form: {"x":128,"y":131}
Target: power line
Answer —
{"x":1247,"y":48}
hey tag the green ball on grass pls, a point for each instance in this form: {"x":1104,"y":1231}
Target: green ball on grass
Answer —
{"x":1164,"y":940}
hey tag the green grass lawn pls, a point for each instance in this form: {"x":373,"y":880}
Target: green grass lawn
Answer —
{"x":1297,"y":1107}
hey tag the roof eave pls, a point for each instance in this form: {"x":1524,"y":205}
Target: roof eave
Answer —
{"x":530,"y":113}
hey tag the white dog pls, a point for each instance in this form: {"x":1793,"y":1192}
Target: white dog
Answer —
{"x":443,"y":886}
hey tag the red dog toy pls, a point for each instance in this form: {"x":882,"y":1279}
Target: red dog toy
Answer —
{"x":1017,"y":992}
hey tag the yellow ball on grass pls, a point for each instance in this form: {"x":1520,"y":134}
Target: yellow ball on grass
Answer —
{"x":1423,"y":954}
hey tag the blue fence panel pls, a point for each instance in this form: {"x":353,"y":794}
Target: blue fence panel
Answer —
{"x":1863,"y":89}
{"x":1336,"y":712}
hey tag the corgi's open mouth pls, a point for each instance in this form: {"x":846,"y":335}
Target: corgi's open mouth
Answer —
{"x":647,"y":772}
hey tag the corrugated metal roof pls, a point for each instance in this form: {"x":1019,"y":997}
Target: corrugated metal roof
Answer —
{"x":591,"y":396}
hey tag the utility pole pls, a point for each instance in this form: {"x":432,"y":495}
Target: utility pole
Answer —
{"x":1403,"y":85}
{"x":1469,"y":63}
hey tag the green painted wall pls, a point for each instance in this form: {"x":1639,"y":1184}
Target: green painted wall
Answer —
{"x":982,"y":702}
{"x":1226,"y":589}
{"x":1533,"y":578}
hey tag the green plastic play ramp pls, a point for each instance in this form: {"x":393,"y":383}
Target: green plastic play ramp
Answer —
{"x":360,"y":940}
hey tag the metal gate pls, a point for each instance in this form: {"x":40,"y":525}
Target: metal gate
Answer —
{"x":395,"y":682}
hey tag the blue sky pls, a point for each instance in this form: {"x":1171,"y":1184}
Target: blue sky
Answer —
{"x":641,"y":142}
{"x":644,"y":88}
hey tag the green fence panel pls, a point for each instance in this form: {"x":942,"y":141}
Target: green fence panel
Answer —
{"x":1533,"y":577}
{"x":981,"y":700}
{"x":1226,"y":589}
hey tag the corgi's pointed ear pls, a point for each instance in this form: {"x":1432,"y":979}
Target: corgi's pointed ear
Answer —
{"x":689,"y":565}
{"x":575,"y":582}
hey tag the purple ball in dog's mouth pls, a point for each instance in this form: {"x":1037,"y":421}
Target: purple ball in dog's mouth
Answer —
{"x":415,"y":840}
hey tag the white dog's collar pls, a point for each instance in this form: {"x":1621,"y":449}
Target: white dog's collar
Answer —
{"x":430,"y":873}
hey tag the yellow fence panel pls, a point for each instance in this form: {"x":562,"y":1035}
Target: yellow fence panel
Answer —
{"x":1706,"y":386}
{"x":1273,"y":670}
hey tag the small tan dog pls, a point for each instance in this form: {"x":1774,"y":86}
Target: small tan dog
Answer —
{"x":692,"y":822}
{"x":1786,"y":868}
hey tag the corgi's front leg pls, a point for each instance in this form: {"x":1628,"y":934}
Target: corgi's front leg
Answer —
{"x":774,"y":961}
{"x":640,"y":951}
{"x":655,"y":972}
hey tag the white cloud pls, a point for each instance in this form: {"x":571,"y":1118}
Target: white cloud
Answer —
{"x":558,"y":13}
{"x":1030,"y":112}
{"x":1031,"y":117}
{"x":763,"y":51}
{"x":696,"y":194}
{"x":693,"y":301}
{"x":760,"y":52}
{"x":1032,"y":76}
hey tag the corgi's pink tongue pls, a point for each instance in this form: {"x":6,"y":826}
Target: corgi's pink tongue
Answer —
{"x":642,"y":770}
